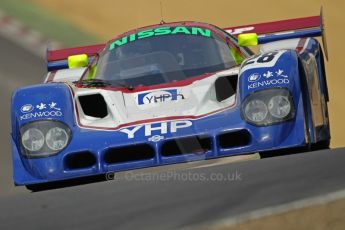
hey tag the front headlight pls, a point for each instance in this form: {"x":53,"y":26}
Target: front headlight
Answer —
{"x":267,"y":107}
{"x":57,"y":138}
{"x":256,"y":110}
{"x":279,"y":106}
{"x":33,"y":139}
{"x":44,"y":138}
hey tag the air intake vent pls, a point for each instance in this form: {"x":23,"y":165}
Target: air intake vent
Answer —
{"x":129,"y":153}
{"x":94,"y":105}
{"x":225,"y":87}
{"x":234,"y":139}
{"x":80,"y":160}
{"x":187,"y":145}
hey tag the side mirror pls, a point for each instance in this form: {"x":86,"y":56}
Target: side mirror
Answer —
{"x":250,"y":39}
{"x":77,"y":61}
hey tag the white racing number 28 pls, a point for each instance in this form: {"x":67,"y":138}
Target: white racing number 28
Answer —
{"x":263,"y":60}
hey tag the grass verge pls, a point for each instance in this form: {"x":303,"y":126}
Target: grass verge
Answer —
{"x":50,"y":25}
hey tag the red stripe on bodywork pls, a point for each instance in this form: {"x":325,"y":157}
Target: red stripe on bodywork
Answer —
{"x":280,"y":26}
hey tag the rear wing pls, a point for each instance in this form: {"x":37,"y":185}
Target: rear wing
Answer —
{"x":277,"y":26}
{"x":57,"y":59}
{"x":267,"y":32}
{"x":285,"y":29}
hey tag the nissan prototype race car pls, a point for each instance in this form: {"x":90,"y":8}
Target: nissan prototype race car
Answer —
{"x":172,"y":93}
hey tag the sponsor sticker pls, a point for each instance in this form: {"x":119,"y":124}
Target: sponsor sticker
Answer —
{"x":160,"y":31}
{"x":158,"y":129}
{"x":270,"y":78}
{"x":156,"y":138}
{"x":280,"y":73}
{"x":268,"y":74}
{"x":240,"y":30}
{"x":27,"y":108}
{"x":159,"y":97}
{"x":254,"y":77}
{"x":41,"y":110}
{"x":44,"y":114}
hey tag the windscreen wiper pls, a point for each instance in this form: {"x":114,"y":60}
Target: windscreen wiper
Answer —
{"x":121,"y":84}
{"x":103,"y":83}
{"x":94,"y":83}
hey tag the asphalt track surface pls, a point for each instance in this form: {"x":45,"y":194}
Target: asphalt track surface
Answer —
{"x":142,"y":203}
{"x":17,"y":68}
{"x":154,"y":198}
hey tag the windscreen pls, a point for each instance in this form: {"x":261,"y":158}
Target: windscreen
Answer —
{"x":162,"y":55}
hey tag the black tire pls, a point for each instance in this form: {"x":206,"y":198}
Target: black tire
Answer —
{"x":321,"y":145}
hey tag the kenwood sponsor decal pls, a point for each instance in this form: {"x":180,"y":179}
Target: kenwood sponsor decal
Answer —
{"x":41,"y":114}
{"x":41,"y":110}
{"x":269,"y":78}
{"x":27,"y":108}
{"x":268,"y":83}
{"x":254,"y":77}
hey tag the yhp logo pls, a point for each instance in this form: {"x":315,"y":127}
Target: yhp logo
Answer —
{"x":26,"y":108}
{"x":159,"y":96}
{"x":157,"y":129}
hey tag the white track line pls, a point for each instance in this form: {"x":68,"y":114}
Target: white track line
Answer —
{"x":228,"y":160}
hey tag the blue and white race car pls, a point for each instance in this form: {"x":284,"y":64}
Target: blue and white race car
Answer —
{"x":172,"y":93}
